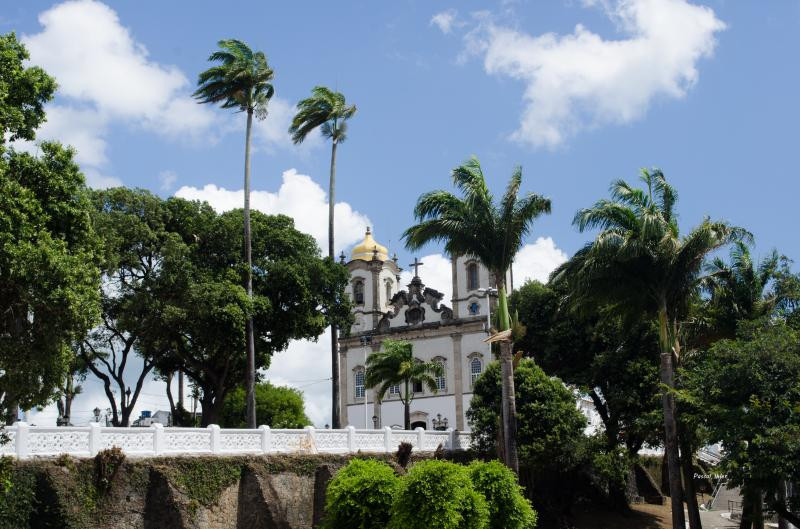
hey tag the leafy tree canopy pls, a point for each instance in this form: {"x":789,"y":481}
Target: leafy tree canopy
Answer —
{"x":747,"y":391}
{"x":276,"y":406}
{"x":48,"y":273}
{"x":23,"y":92}
{"x":550,"y":426}
{"x":615,"y":363}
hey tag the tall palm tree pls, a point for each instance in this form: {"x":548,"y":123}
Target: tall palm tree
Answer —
{"x":473,"y":225}
{"x":329,"y":110}
{"x":241,"y":80}
{"x":396,"y":366}
{"x":639,"y":264}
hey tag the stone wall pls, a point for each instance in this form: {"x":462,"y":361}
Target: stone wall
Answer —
{"x":270,"y":492}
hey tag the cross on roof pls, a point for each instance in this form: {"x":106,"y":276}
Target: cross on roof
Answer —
{"x":416,"y":264}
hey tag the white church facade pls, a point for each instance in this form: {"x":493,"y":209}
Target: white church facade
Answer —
{"x":450,"y":332}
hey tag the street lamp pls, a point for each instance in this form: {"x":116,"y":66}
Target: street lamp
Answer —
{"x":488,"y":292}
{"x":439,"y":423}
{"x":375,"y":421}
{"x":96,"y":412}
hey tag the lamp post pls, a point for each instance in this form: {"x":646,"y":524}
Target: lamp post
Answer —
{"x":375,"y":421}
{"x":439,"y":423}
{"x":488,"y":292}
{"x":96,"y":412}
{"x":365,"y":341}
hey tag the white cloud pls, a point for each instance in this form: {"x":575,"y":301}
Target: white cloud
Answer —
{"x":96,"y":60}
{"x":306,"y":365}
{"x":98,"y":180}
{"x":580,"y":80}
{"x":272,"y":133}
{"x":536,"y":261}
{"x":298,"y":197}
{"x":445,"y":20}
{"x":167,"y":179}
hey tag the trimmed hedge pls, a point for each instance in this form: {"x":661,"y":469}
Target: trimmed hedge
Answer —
{"x":360,"y":496}
{"x":438,"y":494}
{"x":508,"y":507}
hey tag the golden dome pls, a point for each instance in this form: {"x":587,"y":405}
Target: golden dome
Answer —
{"x":365,"y":250}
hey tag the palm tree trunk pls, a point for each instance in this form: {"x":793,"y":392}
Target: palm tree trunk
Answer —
{"x":336,"y":420}
{"x":670,"y":428}
{"x":508,"y":392}
{"x":250,"y":382}
{"x":688,"y":478}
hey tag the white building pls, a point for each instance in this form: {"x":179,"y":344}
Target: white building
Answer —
{"x":451,"y":336}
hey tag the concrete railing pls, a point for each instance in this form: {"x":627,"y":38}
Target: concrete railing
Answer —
{"x":26,"y":441}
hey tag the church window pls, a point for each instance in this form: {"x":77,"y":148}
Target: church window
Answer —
{"x":475,"y":369}
{"x":474,"y":308}
{"x":394,"y":390}
{"x":359,"y":384}
{"x":416,"y":386}
{"x":388,"y":291}
{"x":358,"y":292}
{"x":472,"y":276}
{"x":441,"y":380}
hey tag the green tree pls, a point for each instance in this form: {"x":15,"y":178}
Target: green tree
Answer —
{"x":329,"y":111}
{"x":48,"y":273}
{"x":639,"y":263}
{"x":612,"y":361}
{"x":474,"y":225}
{"x":137,"y":242}
{"x":23,"y":92}
{"x":747,"y":391}
{"x":550,"y":425}
{"x":242,"y":81}
{"x":396,"y":366}
{"x":276,"y":406}
{"x":203,"y":312}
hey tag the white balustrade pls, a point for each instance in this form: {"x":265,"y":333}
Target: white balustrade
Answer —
{"x":24,"y":441}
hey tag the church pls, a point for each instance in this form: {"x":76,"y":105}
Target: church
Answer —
{"x":450,"y":332}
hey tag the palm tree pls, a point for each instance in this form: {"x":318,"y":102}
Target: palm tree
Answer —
{"x":396,"y":366}
{"x":329,"y":110}
{"x":739,"y":290}
{"x":242,"y":81}
{"x":639,"y":264}
{"x":473,"y":225}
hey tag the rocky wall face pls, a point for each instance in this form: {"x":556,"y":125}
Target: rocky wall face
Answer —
{"x":270,"y":492}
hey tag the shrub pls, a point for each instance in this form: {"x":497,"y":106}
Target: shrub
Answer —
{"x":440,"y":495}
{"x":360,"y":495}
{"x":508,"y":507}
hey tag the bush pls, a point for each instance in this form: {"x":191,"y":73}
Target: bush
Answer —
{"x":508,"y":507}
{"x":360,"y":495}
{"x":440,"y":495}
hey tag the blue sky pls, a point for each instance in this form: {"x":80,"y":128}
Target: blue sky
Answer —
{"x":578,"y":92}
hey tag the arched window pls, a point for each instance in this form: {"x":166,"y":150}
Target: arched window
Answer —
{"x":389,"y":285}
{"x":441,"y":380}
{"x":475,"y":369}
{"x":359,"y":384}
{"x":358,"y":292}
{"x":472,"y":276}
{"x":416,"y":386}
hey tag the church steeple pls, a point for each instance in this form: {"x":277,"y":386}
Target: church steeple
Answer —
{"x":369,"y":249}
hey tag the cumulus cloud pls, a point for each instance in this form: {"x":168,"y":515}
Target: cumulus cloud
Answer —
{"x":271,"y":134}
{"x":536,"y":261}
{"x":581,"y":80}
{"x":445,"y":20}
{"x":298,"y":197}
